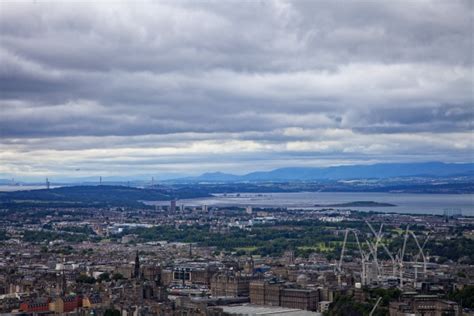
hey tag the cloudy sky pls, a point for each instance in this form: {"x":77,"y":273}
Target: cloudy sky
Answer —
{"x":165,"y":88}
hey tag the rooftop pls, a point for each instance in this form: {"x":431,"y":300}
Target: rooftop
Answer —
{"x":251,"y":310}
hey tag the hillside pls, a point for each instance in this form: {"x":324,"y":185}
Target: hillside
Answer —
{"x":375,"y":171}
{"x":93,"y":195}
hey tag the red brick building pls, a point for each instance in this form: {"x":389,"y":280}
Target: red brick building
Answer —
{"x":35,"y":306}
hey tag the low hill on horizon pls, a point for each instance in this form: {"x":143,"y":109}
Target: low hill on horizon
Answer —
{"x":349,"y":172}
{"x":94,"y":195}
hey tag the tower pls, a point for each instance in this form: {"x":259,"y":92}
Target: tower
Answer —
{"x":136,"y":272}
{"x":290,"y":256}
{"x":249,"y":266}
{"x":173,"y":206}
{"x":248,"y":210}
{"x":47,"y":183}
{"x":61,"y":283}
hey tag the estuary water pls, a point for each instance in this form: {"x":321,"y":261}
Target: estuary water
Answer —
{"x":405,"y":202}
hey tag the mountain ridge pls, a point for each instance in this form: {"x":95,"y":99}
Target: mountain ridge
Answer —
{"x":346,"y":172}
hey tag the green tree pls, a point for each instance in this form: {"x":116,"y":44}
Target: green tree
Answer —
{"x":112,"y":312}
{"x":83,"y":278}
{"x":464,"y":297}
{"x":104,"y":277}
{"x":117,"y":276}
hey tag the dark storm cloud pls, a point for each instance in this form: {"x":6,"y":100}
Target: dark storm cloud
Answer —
{"x":272,"y":79}
{"x":440,"y":118}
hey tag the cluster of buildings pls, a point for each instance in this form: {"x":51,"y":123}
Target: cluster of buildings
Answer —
{"x":126,"y":276}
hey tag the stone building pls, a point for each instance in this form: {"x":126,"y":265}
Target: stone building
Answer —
{"x":428,"y":305}
{"x":265,"y":292}
{"x":299,"y":298}
{"x":188,"y":273}
{"x":65,"y":304}
{"x":229,"y":284}
{"x":276,"y":293}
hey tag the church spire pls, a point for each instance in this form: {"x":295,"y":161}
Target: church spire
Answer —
{"x":136,"y":273}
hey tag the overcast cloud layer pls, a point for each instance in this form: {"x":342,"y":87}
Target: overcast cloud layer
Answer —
{"x":186,"y":87}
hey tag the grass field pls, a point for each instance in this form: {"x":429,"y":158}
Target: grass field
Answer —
{"x":321,"y":247}
{"x":246,"y":249}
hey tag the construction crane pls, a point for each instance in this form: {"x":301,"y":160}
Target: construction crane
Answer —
{"x":375,"y":306}
{"x":371,"y":255}
{"x":421,"y":251}
{"x":339,"y":267}
{"x":422,"y":247}
{"x":364,"y":258}
{"x":373,"y":251}
{"x":376,"y":249}
{"x":402,"y":255}
{"x":398,"y":260}
{"x":363,"y":255}
{"x":380,"y":240}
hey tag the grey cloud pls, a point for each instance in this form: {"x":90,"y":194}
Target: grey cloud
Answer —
{"x":271,"y":75}
{"x":439,"y":118}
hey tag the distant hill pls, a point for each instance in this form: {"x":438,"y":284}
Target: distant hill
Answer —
{"x":375,"y":171}
{"x":217,"y":176}
{"x":94,"y":195}
{"x":357,"y":204}
{"x":5,"y":181}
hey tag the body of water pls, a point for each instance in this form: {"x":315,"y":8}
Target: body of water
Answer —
{"x":405,"y":202}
